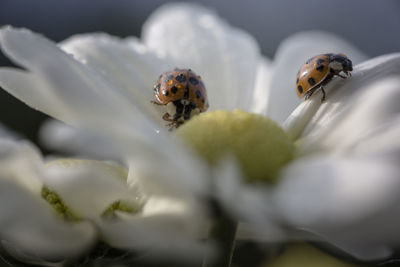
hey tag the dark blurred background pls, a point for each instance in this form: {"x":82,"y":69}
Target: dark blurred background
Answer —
{"x":373,"y":26}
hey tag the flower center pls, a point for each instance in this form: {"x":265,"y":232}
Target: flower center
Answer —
{"x":258,"y":143}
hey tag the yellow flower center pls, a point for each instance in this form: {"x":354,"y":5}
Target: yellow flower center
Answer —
{"x":258,"y":143}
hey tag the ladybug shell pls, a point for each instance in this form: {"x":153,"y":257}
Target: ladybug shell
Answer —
{"x":181,"y":84}
{"x":312,"y":74}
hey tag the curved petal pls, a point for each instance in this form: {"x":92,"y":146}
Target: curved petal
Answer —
{"x":27,"y":223}
{"x":166,"y":228}
{"x":298,"y":120}
{"x":20,"y":161}
{"x":72,"y":92}
{"x":261,"y":90}
{"x":126,"y":64}
{"x":291,"y":55}
{"x":191,"y":36}
{"x":374,"y":106}
{"x":88,"y":187}
{"x":348,"y":200}
{"x":64,"y":88}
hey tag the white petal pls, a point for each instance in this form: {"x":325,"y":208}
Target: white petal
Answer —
{"x":349,"y":201}
{"x":160,"y":235}
{"x":249,"y":204}
{"x":126,"y":64}
{"x":297,"y":121}
{"x":73,"y":93}
{"x":291,"y":55}
{"x":27,"y":223}
{"x":21,"y":161}
{"x":63,"y":87}
{"x":261,"y":90}
{"x":88,"y":187}
{"x":191,"y":36}
{"x":347,"y":123}
{"x":57,"y":135}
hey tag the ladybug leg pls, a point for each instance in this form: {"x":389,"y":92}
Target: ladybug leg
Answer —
{"x":311,"y":92}
{"x":167,"y":117}
{"x":348,"y":74}
{"x":323,"y":94}
{"x":173,"y":124}
{"x":156,"y":103}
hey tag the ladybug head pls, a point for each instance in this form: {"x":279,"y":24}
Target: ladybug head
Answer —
{"x":346,"y":63}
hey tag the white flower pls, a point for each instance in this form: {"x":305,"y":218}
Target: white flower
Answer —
{"x":33,"y":232}
{"x":102,"y":87}
{"x":344,"y":185}
{"x":29,"y":228}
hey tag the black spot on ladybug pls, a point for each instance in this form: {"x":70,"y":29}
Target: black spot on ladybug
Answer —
{"x":165,"y":92}
{"x":181,"y":78}
{"x":309,"y":60}
{"x":169,"y":77}
{"x":198,"y":94}
{"x":193,"y":80}
{"x":202,"y":100}
{"x":174,"y":89}
{"x":320,"y":68}
{"x":157,"y":88}
{"x":320,"y":61}
{"x":300,"y":89}
{"x":311,"y":81}
{"x":297,"y":80}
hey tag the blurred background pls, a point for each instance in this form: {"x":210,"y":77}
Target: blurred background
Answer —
{"x":373,"y":26}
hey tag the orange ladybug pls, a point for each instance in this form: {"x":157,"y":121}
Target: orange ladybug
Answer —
{"x":183,"y":93}
{"x":318,"y":71}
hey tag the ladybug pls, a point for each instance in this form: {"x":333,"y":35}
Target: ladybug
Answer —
{"x":319,"y":70}
{"x":183,"y":93}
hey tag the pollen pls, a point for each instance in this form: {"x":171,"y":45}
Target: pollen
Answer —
{"x":261,"y":147}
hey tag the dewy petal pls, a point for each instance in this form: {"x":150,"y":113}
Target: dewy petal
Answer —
{"x":126,"y":64}
{"x":291,"y":55}
{"x":27,"y":222}
{"x":88,"y":187}
{"x":348,"y":200}
{"x":191,"y":36}
{"x":62,"y":87}
{"x":72,"y":92}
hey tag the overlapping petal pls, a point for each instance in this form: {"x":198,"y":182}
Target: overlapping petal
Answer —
{"x":290,"y":56}
{"x":346,"y":190}
{"x":191,"y":36}
{"x":74,"y":93}
{"x":27,"y":223}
